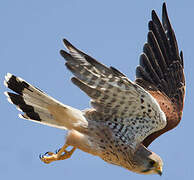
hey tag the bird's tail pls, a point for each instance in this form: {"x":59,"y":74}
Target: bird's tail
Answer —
{"x":39,"y":107}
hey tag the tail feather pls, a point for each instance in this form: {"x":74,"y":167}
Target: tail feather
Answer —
{"x":39,"y":107}
{"x":22,"y":106}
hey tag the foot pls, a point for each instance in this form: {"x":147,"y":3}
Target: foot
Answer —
{"x":62,"y":154}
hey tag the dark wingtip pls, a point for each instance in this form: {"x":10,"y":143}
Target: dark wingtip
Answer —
{"x":150,"y":25}
{"x":153,"y":14}
{"x":164,"y":6}
{"x":65,"y":55}
{"x":80,"y":84}
{"x":74,"y":80}
{"x":62,"y":52}
{"x":164,"y":10}
{"x":68,"y":44}
{"x":155,"y":18}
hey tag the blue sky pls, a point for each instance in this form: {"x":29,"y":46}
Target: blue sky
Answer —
{"x":112,"y":32}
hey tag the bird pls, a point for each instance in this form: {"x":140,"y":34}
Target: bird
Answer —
{"x":125,"y":117}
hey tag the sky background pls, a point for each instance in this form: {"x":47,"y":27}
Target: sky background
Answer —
{"x":111,"y":31}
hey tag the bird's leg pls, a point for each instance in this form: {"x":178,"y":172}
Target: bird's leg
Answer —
{"x":60,"y":155}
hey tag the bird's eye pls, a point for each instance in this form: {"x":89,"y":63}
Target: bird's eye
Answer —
{"x":151,"y":163}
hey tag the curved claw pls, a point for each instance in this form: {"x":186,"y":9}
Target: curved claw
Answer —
{"x":46,"y":153}
{"x":41,"y":156}
{"x":60,"y":154}
{"x":57,"y":150}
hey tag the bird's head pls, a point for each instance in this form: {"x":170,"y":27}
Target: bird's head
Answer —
{"x":148,"y":162}
{"x":152,"y":165}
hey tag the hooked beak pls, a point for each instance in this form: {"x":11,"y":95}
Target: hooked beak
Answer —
{"x":159,"y":171}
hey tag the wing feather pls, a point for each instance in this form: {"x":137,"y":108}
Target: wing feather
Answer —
{"x":160,"y":75}
{"x":161,"y":71}
{"x":114,"y":96}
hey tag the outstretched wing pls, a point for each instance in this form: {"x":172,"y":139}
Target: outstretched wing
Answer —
{"x":115,"y":96}
{"x":161,"y":71}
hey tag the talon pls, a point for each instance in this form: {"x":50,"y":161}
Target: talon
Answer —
{"x":60,"y":154}
{"x":46,"y":153}
{"x":49,"y":153}
{"x":57,"y":150}
{"x":41,"y":156}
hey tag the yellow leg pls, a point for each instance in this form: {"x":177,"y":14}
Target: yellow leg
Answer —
{"x":60,"y":155}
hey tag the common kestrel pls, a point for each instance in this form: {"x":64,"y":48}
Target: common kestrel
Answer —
{"x":125,"y":116}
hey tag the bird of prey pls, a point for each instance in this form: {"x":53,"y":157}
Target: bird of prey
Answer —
{"x":125,"y":116}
